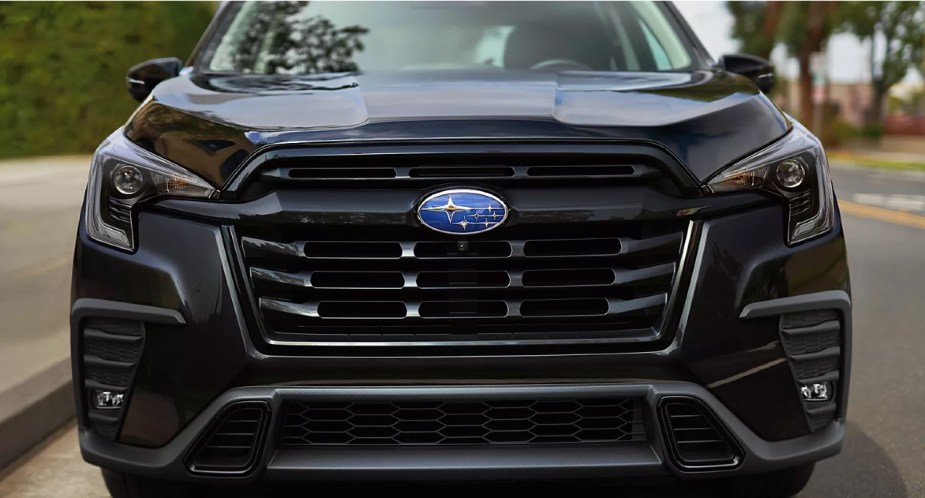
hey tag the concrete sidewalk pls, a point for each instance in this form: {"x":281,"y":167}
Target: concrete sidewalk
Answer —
{"x":39,"y":208}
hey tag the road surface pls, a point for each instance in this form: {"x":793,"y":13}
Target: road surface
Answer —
{"x":884,"y":454}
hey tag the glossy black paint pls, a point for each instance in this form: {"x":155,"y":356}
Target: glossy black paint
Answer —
{"x":212,"y":124}
{"x":759,"y":70}
{"x":142,"y":78}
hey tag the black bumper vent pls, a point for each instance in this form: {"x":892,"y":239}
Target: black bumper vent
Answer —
{"x":464,"y":422}
{"x":111,"y":349}
{"x":696,"y":439}
{"x":232,"y":445}
{"x":812,"y":340}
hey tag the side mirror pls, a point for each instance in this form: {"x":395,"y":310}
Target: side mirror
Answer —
{"x":759,"y":70}
{"x":142,"y":78}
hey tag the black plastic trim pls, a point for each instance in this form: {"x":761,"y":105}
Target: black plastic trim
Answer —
{"x":674,"y":452}
{"x":838,"y":300}
{"x":102,"y":308}
{"x":259,"y":439}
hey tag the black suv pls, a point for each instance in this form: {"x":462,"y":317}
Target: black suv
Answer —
{"x":458,"y":241}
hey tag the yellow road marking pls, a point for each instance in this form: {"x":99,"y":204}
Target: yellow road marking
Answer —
{"x":882,"y":214}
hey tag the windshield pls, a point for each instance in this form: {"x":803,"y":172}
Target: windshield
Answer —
{"x":325,"y":37}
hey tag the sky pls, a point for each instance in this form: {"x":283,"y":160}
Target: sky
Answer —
{"x":847,"y":57}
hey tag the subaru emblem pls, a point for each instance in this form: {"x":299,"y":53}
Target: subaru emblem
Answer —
{"x":462,"y":212}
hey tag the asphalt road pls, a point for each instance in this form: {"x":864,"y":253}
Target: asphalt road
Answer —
{"x":884,"y":453}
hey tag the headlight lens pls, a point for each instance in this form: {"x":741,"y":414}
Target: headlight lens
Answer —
{"x":122,"y":175}
{"x":795,"y":170}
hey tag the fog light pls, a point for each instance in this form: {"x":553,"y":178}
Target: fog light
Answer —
{"x":816,"y":392}
{"x":127,"y":179}
{"x":791,"y":173}
{"x":107,"y":400}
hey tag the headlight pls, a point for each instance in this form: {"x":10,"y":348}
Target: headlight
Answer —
{"x":795,"y":170}
{"x":122,"y":175}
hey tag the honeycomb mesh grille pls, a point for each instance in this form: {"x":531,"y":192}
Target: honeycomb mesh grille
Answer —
{"x":464,"y":422}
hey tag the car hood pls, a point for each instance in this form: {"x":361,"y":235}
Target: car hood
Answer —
{"x":212,"y":124}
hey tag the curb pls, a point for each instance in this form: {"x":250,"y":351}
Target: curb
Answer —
{"x":33,"y":409}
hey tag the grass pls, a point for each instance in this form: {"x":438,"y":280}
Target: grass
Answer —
{"x":873,"y":161}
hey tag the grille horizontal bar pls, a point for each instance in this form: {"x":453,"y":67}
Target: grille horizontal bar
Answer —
{"x":285,"y":175}
{"x":391,"y":310}
{"x":458,"y":279}
{"x":386,"y":250}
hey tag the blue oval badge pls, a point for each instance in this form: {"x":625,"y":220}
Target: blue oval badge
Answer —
{"x":462,"y":212}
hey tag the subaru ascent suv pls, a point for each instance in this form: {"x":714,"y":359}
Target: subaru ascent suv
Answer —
{"x":458,"y":241}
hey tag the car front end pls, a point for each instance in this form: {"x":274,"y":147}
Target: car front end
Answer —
{"x":456,"y":293}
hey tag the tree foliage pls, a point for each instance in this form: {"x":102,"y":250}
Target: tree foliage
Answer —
{"x":63,"y":64}
{"x":895,"y":31}
{"x":895,"y":34}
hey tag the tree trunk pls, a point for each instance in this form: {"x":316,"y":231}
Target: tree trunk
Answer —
{"x":806,"y":89}
{"x":817,"y":32}
{"x":876,"y":105}
{"x":772,"y":13}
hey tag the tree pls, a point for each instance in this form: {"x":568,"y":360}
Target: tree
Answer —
{"x":756,"y":25}
{"x":63,"y":64}
{"x":804,"y":29}
{"x":895,"y":36}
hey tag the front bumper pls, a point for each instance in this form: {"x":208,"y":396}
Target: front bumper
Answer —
{"x":440,"y":463}
{"x":201,"y":354}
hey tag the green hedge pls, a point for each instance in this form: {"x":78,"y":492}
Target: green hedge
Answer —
{"x":63,"y":64}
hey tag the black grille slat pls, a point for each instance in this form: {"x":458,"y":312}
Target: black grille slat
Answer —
{"x":520,"y":169}
{"x":463,"y":422}
{"x":434,"y":280}
{"x":410,"y":310}
{"x":664,"y":245}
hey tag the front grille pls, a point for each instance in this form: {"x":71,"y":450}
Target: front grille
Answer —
{"x":417,"y":291}
{"x":325,"y":423}
{"x":695,"y":438}
{"x":812,"y":340}
{"x":111,"y":350}
{"x":233,"y":443}
{"x":344,"y":263}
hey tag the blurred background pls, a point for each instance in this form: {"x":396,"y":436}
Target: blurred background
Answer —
{"x":850,"y":71}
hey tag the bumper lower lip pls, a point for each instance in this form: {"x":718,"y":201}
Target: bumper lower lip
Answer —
{"x":648,"y":459}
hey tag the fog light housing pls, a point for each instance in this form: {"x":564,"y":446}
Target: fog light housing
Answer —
{"x":819,"y":391}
